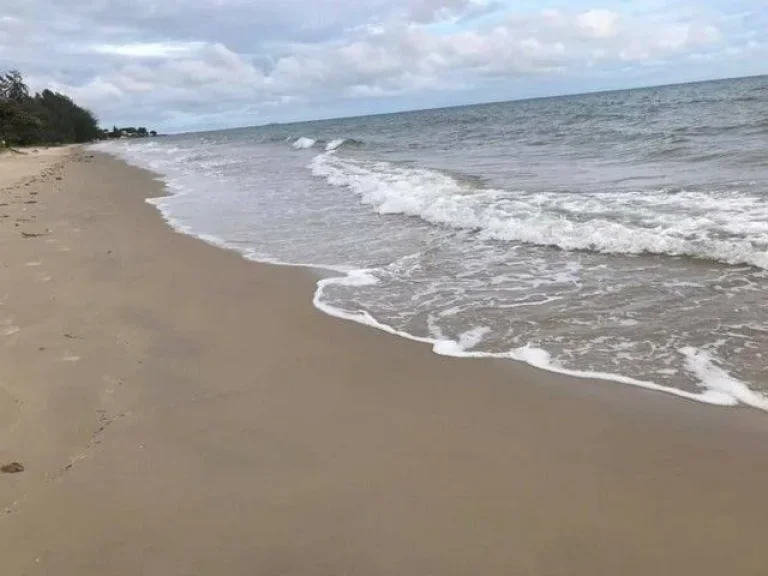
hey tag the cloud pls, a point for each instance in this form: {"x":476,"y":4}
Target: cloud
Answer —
{"x":203,"y":62}
{"x":424,"y":11}
{"x":161,"y":50}
{"x":599,"y":23}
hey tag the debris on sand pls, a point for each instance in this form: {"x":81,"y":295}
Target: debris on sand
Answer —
{"x":12,"y":468}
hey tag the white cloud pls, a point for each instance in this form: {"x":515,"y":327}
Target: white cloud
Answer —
{"x":148,"y":49}
{"x":599,"y":23}
{"x":192,"y":58}
{"x":431,"y":10}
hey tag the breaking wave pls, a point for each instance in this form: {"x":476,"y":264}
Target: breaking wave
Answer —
{"x":705,"y":225}
{"x":304,"y":143}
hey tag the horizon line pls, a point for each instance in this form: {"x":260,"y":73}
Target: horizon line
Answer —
{"x":471,"y":104}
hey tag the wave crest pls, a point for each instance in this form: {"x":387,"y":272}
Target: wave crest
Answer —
{"x":303,"y":143}
{"x":732,"y":230}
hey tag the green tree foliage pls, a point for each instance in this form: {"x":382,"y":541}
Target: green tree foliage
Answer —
{"x":45,"y":118}
{"x":12,"y":87}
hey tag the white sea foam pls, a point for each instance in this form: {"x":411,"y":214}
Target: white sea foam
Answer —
{"x":703,"y":365}
{"x":472,"y":338}
{"x":695,"y":224}
{"x":334,"y":144}
{"x":719,"y":388}
{"x":304,"y":143}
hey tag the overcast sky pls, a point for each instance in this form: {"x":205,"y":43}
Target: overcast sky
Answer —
{"x":197,"y":64}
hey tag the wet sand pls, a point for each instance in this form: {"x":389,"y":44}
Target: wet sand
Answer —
{"x":181,"y":411}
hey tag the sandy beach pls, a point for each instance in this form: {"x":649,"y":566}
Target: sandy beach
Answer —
{"x":179,"y":410}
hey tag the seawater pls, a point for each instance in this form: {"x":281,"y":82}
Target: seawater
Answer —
{"x":619,"y":235}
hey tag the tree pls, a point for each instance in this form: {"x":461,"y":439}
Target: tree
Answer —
{"x":13,"y":88}
{"x":45,"y":118}
{"x":17,"y":124}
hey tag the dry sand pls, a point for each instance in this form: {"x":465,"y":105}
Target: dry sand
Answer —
{"x":180,"y":411}
{"x":24,"y":165}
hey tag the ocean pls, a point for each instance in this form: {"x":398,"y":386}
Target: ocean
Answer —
{"x":618,"y":235}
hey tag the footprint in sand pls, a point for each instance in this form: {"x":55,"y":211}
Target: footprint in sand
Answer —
{"x":59,"y":247}
{"x":112,"y":383}
{"x":8,"y":328}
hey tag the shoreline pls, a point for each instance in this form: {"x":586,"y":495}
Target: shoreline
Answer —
{"x":182,"y":410}
{"x":716,"y":387}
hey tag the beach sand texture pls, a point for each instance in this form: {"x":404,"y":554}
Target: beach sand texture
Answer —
{"x":179,"y":410}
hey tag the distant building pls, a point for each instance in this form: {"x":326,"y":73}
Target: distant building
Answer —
{"x":128,"y":132}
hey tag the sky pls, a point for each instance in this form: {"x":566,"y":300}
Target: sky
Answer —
{"x":178,"y":65}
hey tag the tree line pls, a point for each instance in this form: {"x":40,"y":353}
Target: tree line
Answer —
{"x":47,"y":117}
{"x":130,"y":132}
